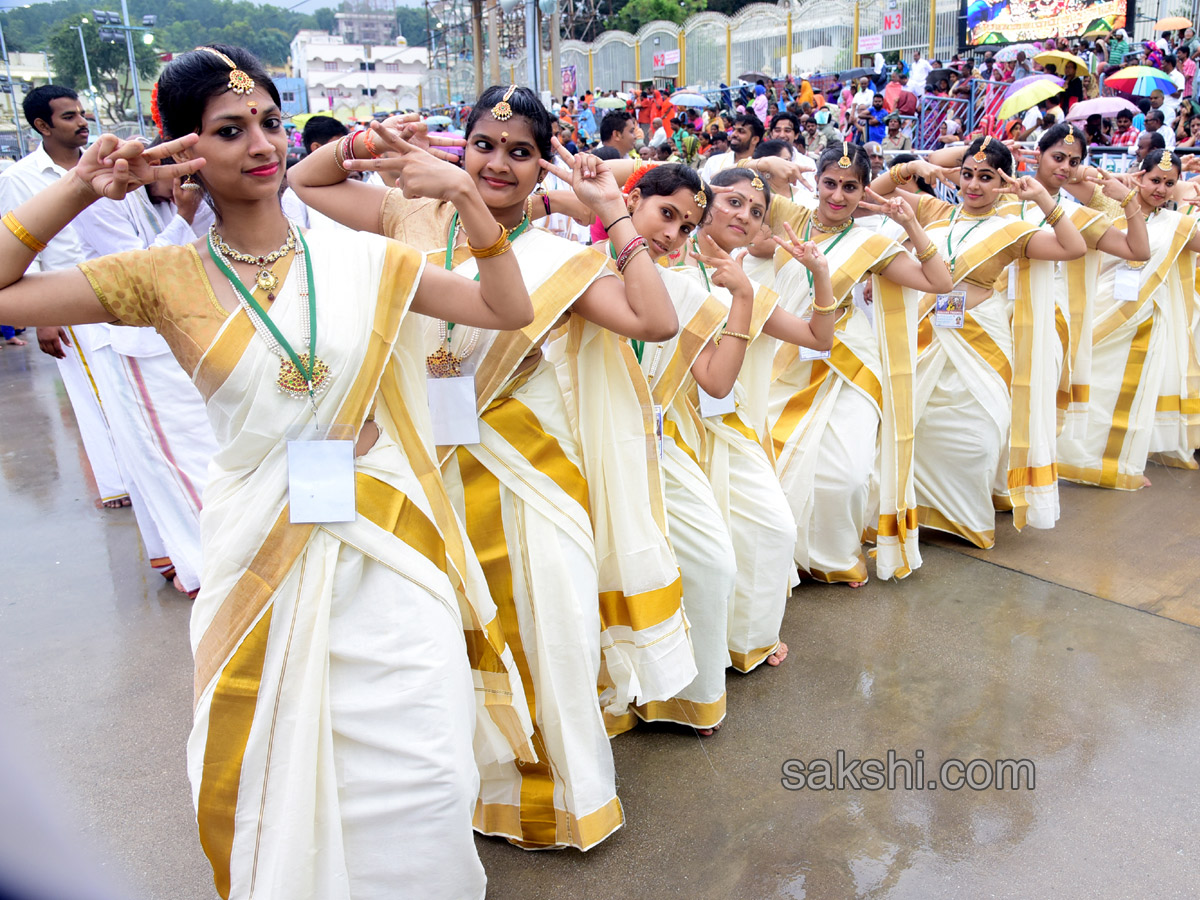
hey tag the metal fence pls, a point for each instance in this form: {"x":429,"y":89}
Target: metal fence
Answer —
{"x":775,"y":39}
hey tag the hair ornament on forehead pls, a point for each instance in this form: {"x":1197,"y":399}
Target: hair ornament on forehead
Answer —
{"x":700,"y":197}
{"x":1165,"y":162}
{"x":239,"y":82}
{"x":756,"y":183}
{"x":980,"y":155}
{"x":844,"y":162}
{"x":1070,"y":138}
{"x":502,"y":112}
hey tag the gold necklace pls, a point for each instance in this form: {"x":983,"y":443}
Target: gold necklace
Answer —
{"x":266,"y":280}
{"x":826,"y":229}
{"x":966,"y":215}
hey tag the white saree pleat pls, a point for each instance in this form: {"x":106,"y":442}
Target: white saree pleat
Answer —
{"x":963,"y":415}
{"x":698,"y":535}
{"x":1145,"y":389}
{"x":763,"y":530}
{"x":540,"y":561}
{"x":709,"y":567}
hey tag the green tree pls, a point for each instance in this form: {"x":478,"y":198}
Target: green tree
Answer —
{"x":637,"y":13}
{"x":109,"y":62}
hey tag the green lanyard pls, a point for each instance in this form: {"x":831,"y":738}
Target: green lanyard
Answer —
{"x":306,"y":372}
{"x":639,"y":347}
{"x":950,"y":234}
{"x":826,"y":250}
{"x":1023,"y":202}
{"x":703,"y":271}
{"x":512,"y":236}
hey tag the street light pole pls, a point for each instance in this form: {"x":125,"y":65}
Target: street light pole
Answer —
{"x":133,"y":72}
{"x":88,"y":69}
{"x":12,"y":93}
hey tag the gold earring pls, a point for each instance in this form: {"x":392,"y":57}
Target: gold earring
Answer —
{"x":190,"y":183}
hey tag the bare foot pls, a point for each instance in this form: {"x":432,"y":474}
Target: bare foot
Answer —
{"x":119,"y":503}
{"x":779,"y":655}
{"x":1145,"y":481}
{"x":709,"y":732}
{"x":179,"y":587}
{"x":17,"y":342}
{"x":856,"y":584}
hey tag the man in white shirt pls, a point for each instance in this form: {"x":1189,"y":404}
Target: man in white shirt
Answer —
{"x":156,"y":416}
{"x":921,"y":68}
{"x":744,"y":136}
{"x":1156,"y":124}
{"x":57,"y":115}
{"x":1171,"y":101}
{"x":657,"y":132}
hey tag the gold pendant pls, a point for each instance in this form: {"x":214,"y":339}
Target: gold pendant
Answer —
{"x":266,"y":281}
{"x":443,"y":364}
{"x":294,"y":384}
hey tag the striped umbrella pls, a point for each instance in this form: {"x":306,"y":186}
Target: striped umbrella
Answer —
{"x":1140,"y":81}
{"x":1031,"y":79}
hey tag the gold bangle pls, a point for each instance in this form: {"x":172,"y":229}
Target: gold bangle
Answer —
{"x":825,"y":310}
{"x":1129,"y":197}
{"x":725,"y":332}
{"x":898,"y":176}
{"x":928,"y":253}
{"x":339,"y":157}
{"x":1054,"y":215}
{"x":500,"y":245}
{"x":19,"y":232}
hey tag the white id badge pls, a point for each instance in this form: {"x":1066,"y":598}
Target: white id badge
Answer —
{"x":658,"y":428}
{"x":950,"y":310}
{"x":320,"y":480}
{"x":1128,"y":285}
{"x":715,"y":406}
{"x":807,"y":353}
{"x":453,"y":411}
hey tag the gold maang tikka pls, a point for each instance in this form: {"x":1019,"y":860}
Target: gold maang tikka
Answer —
{"x":979,"y":155}
{"x":757,"y":183}
{"x":1165,"y":162}
{"x":239,"y":82}
{"x":502,"y":112}
{"x":701,"y":198}
{"x":844,"y":162}
{"x":1070,"y":138}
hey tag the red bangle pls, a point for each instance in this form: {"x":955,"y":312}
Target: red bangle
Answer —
{"x":546,"y":202}
{"x":348,"y":153}
{"x":625,"y":255}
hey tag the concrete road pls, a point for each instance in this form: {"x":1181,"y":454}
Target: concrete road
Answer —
{"x":1076,"y":650}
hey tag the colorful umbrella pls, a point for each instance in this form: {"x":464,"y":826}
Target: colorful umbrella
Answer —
{"x":684,"y":98}
{"x":1172,"y":23}
{"x":1031,"y":79}
{"x":1061,"y":58}
{"x":1009,"y":53}
{"x":1101,"y":106}
{"x":1140,"y":81}
{"x":1030,"y":95}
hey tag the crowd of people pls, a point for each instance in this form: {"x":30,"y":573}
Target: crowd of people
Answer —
{"x":476,"y":452}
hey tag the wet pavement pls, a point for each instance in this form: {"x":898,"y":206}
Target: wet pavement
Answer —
{"x":1075,"y":649}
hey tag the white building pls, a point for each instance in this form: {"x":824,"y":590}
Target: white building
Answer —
{"x":354,"y":81}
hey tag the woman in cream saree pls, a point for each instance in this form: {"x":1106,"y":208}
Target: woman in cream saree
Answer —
{"x":334,"y":712}
{"x":583,"y":576}
{"x":825,"y":414}
{"x":1144,"y":397}
{"x":974,"y":382}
